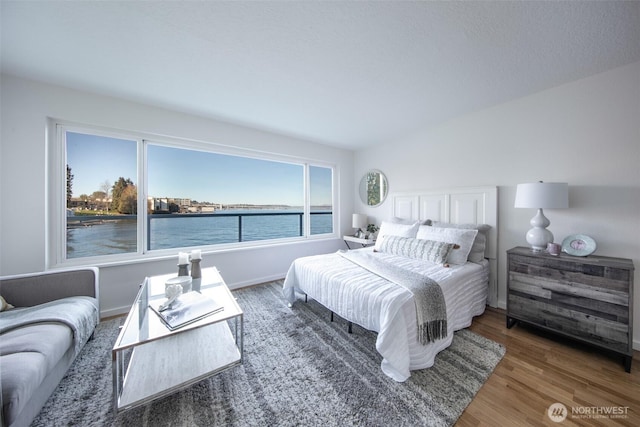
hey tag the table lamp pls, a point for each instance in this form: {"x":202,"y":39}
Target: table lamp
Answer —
{"x":359,"y":221}
{"x":541,"y":195}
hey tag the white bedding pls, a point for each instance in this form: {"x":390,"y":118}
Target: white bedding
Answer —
{"x":376,"y":304}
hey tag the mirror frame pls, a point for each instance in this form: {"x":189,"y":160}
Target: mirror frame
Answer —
{"x":367,"y":190}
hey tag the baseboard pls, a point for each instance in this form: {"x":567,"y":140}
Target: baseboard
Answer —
{"x":256,"y":281}
{"x":114,"y":312}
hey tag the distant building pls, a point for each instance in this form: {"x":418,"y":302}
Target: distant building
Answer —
{"x":76,"y":202}
{"x":182,"y":205}
{"x":160,"y":204}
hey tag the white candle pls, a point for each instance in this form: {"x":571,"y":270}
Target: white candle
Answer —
{"x":183,"y":258}
{"x":196,"y":254}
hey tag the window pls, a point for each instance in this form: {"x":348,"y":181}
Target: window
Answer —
{"x":126,"y":195}
{"x":321,"y":197}
{"x":101,"y":195}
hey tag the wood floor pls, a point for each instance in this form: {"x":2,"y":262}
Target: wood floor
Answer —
{"x":540,"y":369}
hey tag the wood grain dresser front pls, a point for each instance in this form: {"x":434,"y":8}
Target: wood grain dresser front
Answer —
{"x":589,"y":299}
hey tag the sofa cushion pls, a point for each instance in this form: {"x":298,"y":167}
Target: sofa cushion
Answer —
{"x":27,"y":355}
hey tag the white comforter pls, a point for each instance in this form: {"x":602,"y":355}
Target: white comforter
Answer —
{"x":374,"y":303}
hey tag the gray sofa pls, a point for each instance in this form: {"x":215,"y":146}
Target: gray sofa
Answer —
{"x":55,"y":314}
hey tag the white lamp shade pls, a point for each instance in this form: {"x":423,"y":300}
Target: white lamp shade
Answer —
{"x":359,"y":221}
{"x":543,"y":195}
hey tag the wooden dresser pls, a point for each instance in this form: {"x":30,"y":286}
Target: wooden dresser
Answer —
{"x":589,"y":299}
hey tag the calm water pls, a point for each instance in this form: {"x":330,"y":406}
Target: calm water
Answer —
{"x":116,"y":237}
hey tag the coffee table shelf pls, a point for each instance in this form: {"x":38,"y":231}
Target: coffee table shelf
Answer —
{"x":150,"y":361}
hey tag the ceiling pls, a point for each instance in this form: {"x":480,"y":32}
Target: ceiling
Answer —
{"x":346,"y":74}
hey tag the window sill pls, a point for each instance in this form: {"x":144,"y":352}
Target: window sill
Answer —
{"x":168,"y":254}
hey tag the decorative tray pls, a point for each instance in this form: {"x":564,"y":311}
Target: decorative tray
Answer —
{"x":578,"y":245}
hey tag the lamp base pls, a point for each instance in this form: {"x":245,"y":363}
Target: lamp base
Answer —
{"x":538,"y":237}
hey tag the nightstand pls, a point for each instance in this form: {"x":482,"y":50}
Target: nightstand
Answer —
{"x":353,"y":239}
{"x":589,"y":299}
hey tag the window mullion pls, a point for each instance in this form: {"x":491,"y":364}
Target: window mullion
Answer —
{"x":60,"y":200}
{"x":143,"y":234}
{"x":307,"y":201}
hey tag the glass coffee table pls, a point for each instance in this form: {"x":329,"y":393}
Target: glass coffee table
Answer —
{"x":150,"y":361}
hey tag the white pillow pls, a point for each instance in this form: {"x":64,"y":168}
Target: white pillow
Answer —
{"x":398,"y":220}
{"x":480,"y":243}
{"x":461,"y":237}
{"x":392,"y":229}
{"x":4,"y":305}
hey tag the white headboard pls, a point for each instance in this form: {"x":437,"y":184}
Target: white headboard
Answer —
{"x":464,"y":205}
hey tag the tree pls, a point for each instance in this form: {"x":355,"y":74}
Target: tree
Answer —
{"x":98,"y":195}
{"x":373,"y":188}
{"x":69,"y":185}
{"x":129,"y":200}
{"x":105,"y":187}
{"x":120,"y":200}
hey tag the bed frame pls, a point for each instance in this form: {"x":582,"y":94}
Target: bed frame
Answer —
{"x":465,"y":205}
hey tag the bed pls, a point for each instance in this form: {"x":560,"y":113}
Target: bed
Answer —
{"x":363,"y":294}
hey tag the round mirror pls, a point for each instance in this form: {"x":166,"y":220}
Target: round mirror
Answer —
{"x":373,"y":188}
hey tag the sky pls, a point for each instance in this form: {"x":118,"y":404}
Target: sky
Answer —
{"x":197,"y":175}
{"x":96,"y":159}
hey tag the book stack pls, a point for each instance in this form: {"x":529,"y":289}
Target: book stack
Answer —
{"x":187,"y":308}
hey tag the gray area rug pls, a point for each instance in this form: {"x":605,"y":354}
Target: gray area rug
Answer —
{"x":299,"y":369}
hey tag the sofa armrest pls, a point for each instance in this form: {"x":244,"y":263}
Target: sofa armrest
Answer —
{"x":26,"y":290}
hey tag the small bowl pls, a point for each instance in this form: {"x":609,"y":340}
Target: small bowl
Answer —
{"x":184,"y":281}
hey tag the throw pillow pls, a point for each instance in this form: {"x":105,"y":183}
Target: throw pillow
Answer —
{"x":429,"y":250}
{"x":4,"y":305}
{"x":461,"y":237}
{"x":479,"y":244}
{"x":392,"y":229}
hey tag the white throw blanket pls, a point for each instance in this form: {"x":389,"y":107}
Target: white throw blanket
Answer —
{"x":79,"y":313}
{"x":431,"y":311}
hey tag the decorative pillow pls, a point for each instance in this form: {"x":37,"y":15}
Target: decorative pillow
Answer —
{"x":391,"y":229}
{"x":461,"y":237}
{"x":398,"y":220}
{"x":429,"y":250}
{"x":4,"y":305}
{"x":479,"y":244}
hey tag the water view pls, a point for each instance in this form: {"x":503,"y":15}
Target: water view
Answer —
{"x":115,"y":236}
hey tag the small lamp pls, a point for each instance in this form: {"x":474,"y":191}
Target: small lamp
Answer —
{"x":359,"y":221}
{"x":541,"y":195}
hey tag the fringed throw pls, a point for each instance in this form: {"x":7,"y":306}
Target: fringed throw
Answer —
{"x":431,"y":331}
{"x":431,"y":310}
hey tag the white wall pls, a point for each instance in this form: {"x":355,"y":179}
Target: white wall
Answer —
{"x":586,"y":133}
{"x":25,"y":107}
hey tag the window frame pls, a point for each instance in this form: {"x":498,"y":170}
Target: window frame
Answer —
{"x":56,"y":197}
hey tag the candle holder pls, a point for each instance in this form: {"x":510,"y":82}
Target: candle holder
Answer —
{"x":196,"y":272}
{"x":183,"y":269}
